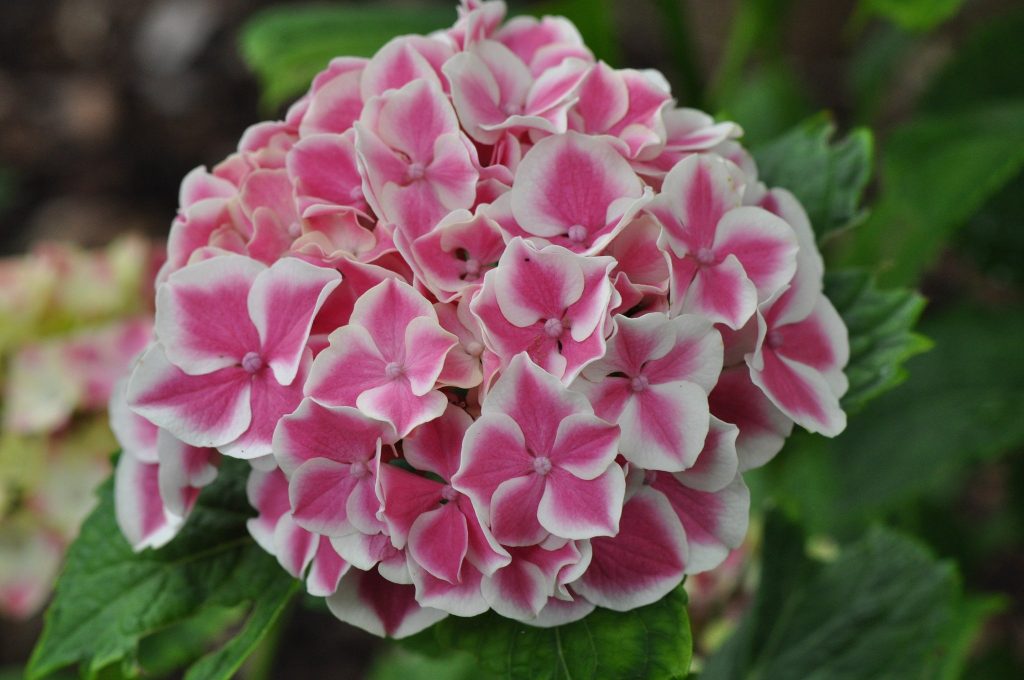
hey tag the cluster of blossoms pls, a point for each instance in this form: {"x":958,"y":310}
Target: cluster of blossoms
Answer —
{"x":70,"y":323}
{"x":496,"y":325}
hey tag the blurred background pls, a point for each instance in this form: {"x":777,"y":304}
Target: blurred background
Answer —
{"x":106,"y":104}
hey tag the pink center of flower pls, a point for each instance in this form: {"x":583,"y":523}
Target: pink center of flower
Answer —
{"x":474,"y":348}
{"x":359,"y":469}
{"x":705,"y":256}
{"x":393,"y":370}
{"x":554,"y":327}
{"x":774,"y":339}
{"x":511,"y":108}
{"x":294,"y":229}
{"x":577,"y":233}
{"x":472,"y":268}
{"x":639,"y":383}
{"x":541,"y":465}
{"x":252,"y":362}
{"x":415,"y":171}
{"x":448,"y":493}
{"x":356,"y":193}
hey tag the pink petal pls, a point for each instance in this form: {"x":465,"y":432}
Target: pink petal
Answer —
{"x":695,"y":195}
{"x":366,"y":600}
{"x":518,"y":591}
{"x":135,"y":435}
{"x":282,"y":303}
{"x":396,"y":403}
{"x":717,"y":463}
{"x":386,"y":310}
{"x":319,"y":491}
{"x":493,"y":451}
{"x":202,"y":316}
{"x":202,"y":410}
{"x":438,"y":541}
{"x":294,"y":547}
{"x":579,"y":509}
{"x":765,"y":245}
{"x":664,"y":426}
{"x":426,"y":346}
{"x":350,"y":366}
{"x":406,"y":496}
{"x":184,"y":470}
{"x":643,"y":563}
{"x":463,"y":598}
{"x":140,"y":513}
{"x":763,"y":428}
{"x":338,"y":433}
{"x":268,"y":493}
{"x":585,"y":445}
{"x":715,"y":523}
{"x":327,"y":569}
{"x":513,"y":511}
{"x":801,"y":392}
{"x":721,"y":292}
{"x":269,"y":402}
{"x":437,"y":446}
{"x":572,"y":185}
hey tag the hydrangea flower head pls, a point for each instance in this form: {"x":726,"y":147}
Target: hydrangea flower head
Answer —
{"x":496,"y":325}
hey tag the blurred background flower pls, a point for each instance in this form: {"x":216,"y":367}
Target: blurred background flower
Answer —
{"x":71,"y":322}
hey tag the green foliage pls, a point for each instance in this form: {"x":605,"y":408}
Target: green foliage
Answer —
{"x":880,"y":324}
{"x":962,"y":405}
{"x":936,"y":172}
{"x":771,"y":101}
{"x":987,"y":68}
{"x":181,"y":644}
{"x":649,"y":643}
{"x":880,"y":610}
{"x":108,"y":597}
{"x":400,"y":663}
{"x":827,"y":176}
{"x":287,"y":46}
{"x":914,"y":15}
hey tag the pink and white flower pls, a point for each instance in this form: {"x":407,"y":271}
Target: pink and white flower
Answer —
{"x":538,"y":463}
{"x":231,"y":354}
{"x":500,"y":328}
{"x":726,"y":257}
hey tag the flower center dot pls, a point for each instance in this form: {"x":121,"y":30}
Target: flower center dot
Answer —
{"x":774,"y":339}
{"x":577,"y":233}
{"x":472,"y":268}
{"x":639,"y":383}
{"x":554,"y":327}
{"x":252,"y":362}
{"x":511,"y":108}
{"x":359,"y":469}
{"x":474,"y":348}
{"x":416,"y":171}
{"x":705,"y":256}
{"x":394,"y":369}
{"x":448,"y":493}
{"x":541,"y":465}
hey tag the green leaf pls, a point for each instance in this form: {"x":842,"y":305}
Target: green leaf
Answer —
{"x":109,"y":597}
{"x":649,"y":643}
{"x":770,"y":101}
{"x":181,"y":644}
{"x":986,"y":68}
{"x":914,"y":15}
{"x":400,"y":663}
{"x":287,"y":46}
{"x":878,"y":611}
{"x":936,"y":172}
{"x":961,"y":404}
{"x":880,"y":324}
{"x":828,"y":177}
